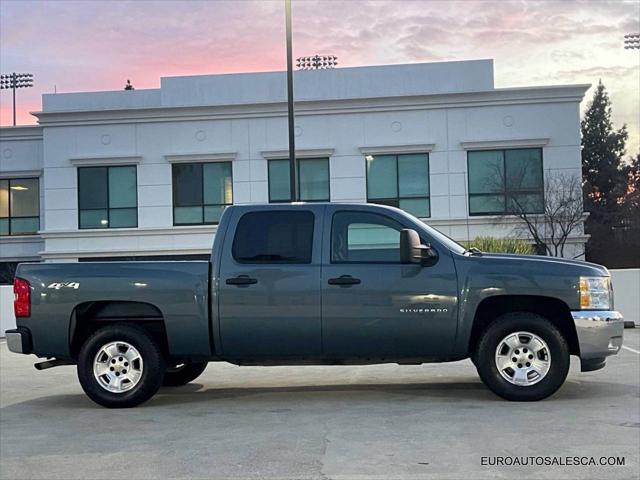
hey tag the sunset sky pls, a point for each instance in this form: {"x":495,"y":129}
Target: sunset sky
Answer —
{"x":97,"y":45}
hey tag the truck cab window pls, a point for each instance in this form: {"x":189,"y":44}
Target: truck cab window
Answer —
{"x":361,"y":237}
{"x":284,"y":236}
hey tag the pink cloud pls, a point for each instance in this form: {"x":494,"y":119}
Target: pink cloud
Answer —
{"x":84,"y":46}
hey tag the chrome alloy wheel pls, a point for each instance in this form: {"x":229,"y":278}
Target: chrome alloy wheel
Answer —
{"x":523,"y":358}
{"x":117,"y":367}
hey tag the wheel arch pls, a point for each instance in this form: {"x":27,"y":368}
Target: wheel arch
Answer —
{"x":87,"y":317}
{"x":553,"y":309}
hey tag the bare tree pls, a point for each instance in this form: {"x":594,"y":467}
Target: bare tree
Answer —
{"x":562,"y":213}
{"x":548,"y":219}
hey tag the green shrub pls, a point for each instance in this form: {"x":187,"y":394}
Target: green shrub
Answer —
{"x":501,"y":245}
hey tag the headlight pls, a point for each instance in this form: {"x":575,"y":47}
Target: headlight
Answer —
{"x":595,"y":293}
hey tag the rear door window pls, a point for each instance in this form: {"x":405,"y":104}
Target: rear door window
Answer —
{"x":283,"y":236}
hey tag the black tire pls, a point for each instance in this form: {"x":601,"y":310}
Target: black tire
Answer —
{"x":152,"y":373}
{"x":183,"y":374}
{"x":527,"y":322}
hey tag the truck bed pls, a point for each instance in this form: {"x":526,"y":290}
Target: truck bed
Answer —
{"x":175,"y":292}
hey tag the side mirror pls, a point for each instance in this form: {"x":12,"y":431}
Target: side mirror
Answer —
{"x":412,"y":251}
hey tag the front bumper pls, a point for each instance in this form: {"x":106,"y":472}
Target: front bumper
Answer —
{"x":19,"y":340}
{"x":599,"y":335}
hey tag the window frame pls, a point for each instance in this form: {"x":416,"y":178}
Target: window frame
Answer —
{"x":347,"y":262}
{"x":298,"y":160}
{"x":268,"y":211}
{"x":506,"y":193}
{"x":9,"y":217}
{"x":395,"y":202}
{"x":202,"y":205}
{"x":108,"y":209}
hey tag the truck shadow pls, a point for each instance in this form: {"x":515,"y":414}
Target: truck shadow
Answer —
{"x":437,"y":392}
{"x":471,"y":393}
{"x":252,"y":397}
{"x":380,"y":392}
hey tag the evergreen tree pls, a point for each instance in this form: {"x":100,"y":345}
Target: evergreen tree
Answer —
{"x":603,"y":147}
{"x":631,"y":200}
{"x":609,"y":187}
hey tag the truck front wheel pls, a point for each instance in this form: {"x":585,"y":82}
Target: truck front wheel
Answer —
{"x":120,"y":366}
{"x":183,"y":373}
{"x":522,"y":356}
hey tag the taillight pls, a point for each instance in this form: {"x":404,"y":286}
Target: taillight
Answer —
{"x":22,"y":298}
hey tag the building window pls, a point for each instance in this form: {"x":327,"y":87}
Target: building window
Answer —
{"x":505,"y":181}
{"x":400,"y":181}
{"x":107,"y":197}
{"x":19,"y":206}
{"x":201,"y":192}
{"x":312,"y":181}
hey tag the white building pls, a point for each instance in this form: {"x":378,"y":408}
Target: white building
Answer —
{"x":146,"y":172}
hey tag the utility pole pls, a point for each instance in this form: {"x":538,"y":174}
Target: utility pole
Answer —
{"x":13,"y":81}
{"x":293,"y":166}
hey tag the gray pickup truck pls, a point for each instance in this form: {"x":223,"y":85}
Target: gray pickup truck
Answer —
{"x":317,"y":284}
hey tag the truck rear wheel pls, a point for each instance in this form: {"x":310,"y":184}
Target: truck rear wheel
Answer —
{"x":522,"y":357}
{"x":183,"y":373}
{"x":120,"y":366}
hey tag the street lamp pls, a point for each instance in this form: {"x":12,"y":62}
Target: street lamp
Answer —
{"x":632,"y":41}
{"x":317,"y":62}
{"x":13,"y":81}
{"x":293,"y":174}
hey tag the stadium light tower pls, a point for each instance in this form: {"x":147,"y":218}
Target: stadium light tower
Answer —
{"x":14,"y":81}
{"x":632,"y":41}
{"x":317,"y":62}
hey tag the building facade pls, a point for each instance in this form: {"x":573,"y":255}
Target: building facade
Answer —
{"x":146,"y":173}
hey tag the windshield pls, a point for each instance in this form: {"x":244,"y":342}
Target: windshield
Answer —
{"x":440,"y":237}
{"x":448,"y":242}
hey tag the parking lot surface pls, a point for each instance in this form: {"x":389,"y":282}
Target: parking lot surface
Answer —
{"x":381,"y":421}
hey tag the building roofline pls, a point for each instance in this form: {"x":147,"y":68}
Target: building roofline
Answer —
{"x":267,"y":87}
{"x":585,"y":86}
{"x":498,"y":96}
{"x":342,"y":69}
{"x":21,"y":132}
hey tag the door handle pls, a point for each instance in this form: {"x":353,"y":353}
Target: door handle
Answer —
{"x":241,"y":280}
{"x":344,"y":280}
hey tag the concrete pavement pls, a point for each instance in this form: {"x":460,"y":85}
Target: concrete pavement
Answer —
{"x":383,"y":421}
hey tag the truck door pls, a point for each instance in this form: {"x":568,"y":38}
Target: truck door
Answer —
{"x":375,"y":307}
{"x":269,"y":303}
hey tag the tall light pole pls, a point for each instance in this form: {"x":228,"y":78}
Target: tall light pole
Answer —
{"x":293,"y":167}
{"x":13,"y":81}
